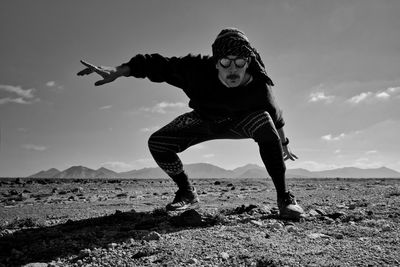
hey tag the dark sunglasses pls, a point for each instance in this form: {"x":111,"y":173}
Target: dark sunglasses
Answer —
{"x":239,"y":62}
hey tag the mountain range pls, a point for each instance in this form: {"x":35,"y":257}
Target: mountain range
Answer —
{"x":206,"y":170}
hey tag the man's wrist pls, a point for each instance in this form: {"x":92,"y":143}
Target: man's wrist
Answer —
{"x":123,"y":70}
{"x":286,"y":142}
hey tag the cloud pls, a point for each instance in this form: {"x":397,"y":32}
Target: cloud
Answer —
{"x":370,"y":97}
{"x":34,"y":147}
{"x":164,"y":107}
{"x":105,"y":107}
{"x":54,"y":84}
{"x":330,"y":137}
{"x":51,"y":83}
{"x":17,"y":95}
{"x":150,"y":129}
{"x":360,"y":98}
{"x":320,"y":97}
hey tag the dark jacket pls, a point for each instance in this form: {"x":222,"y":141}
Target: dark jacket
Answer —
{"x":197,"y":76}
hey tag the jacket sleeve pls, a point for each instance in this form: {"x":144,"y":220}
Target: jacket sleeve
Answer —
{"x":157,"y":68}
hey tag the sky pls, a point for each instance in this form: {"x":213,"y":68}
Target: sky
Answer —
{"x":335,"y":65}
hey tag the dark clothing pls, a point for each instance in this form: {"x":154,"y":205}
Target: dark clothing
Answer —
{"x":197,"y":76}
{"x":247,"y":111}
{"x":190,"y":129}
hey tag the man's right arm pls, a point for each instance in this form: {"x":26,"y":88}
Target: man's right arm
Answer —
{"x":157,"y":68}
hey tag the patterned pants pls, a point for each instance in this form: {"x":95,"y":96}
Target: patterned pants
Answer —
{"x":189,"y":129}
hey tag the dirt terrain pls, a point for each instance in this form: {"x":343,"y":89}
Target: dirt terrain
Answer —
{"x":49,"y":222}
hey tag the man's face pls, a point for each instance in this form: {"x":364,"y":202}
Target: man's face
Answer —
{"x":232,"y":70}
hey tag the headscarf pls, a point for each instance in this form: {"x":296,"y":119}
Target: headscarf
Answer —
{"x":231,"y":41}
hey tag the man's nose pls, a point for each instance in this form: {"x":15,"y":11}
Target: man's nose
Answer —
{"x":232,"y":67}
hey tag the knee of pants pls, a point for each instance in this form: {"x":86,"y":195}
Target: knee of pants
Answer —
{"x":158,"y":144}
{"x":266,"y":131}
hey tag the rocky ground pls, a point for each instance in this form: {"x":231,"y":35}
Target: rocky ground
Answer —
{"x":350,"y":222}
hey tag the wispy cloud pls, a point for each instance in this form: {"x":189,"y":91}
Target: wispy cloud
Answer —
{"x":164,"y":107}
{"x":370,"y":97}
{"x":105,"y":107}
{"x":17,"y":95}
{"x":330,"y":137}
{"x":360,"y":98}
{"x":320,"y":97}
{"x":150,"y":129}
{"x":53,"y":84}
{"x":34,"y":147}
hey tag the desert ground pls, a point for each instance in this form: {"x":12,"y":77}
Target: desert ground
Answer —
{"x":122,"y":222}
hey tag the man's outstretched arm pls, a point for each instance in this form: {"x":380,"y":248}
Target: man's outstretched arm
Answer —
{"x":108,"y":74}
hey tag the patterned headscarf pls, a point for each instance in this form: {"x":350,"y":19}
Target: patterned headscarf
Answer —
{"x":231,"y":41}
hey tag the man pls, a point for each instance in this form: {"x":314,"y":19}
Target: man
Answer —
{"x":231,"y":98}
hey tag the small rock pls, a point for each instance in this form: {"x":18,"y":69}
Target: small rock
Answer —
{"x":36,"y":264}
{"x":217,"y":183}
{"x":112,"y":245}
{"x":339,"y":236}
{"x":121,"y":195}
{"x":313,"y":213}
{"x":84,"y":252}
{"x":317,"y":235}
{"x":258,"y":223}
{"x":386,"y":228}
{"x":193,"y":261}
{"x":336,"y":215}
{"x":275,"y":226}
{"x":77,"y":190}
{"x":352,"y":206}
{"x":224,"y":255}
{"x":188,"y":218}
{"x":152,"y":236}
{"x":320,"y":212}
{"x":292,"y":229}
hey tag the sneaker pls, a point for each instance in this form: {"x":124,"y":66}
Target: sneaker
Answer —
{"x":288,"y":207}
{"x":184,"y":199}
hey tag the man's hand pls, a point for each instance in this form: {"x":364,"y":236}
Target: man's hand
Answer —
{"x":287,"y":154}
{"x":108,"y":74}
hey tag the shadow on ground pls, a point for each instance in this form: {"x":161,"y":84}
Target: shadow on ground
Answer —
{"x":45,"y":244}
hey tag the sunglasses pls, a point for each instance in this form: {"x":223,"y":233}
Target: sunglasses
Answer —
{"x":239,"y":62}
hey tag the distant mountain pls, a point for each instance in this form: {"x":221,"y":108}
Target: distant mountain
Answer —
{"x":352,"y":172}
{"x":77,"y":172}
{"x":144,"y":173}
{"x":205,"y":170}
{"x":106,"y":173}
{"x":250,"y":169}
{"x":300,"y":173}
{"x":50,"y":173}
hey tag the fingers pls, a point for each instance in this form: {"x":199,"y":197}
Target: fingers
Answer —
{"x":90,"y":68}
{"x":290,"y":156}
{"x":87,"y":64}
{"x":85,"y":71}
{"x":101,"y":82}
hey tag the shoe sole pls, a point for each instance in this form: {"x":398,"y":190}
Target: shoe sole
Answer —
{"x":185,"y":207}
